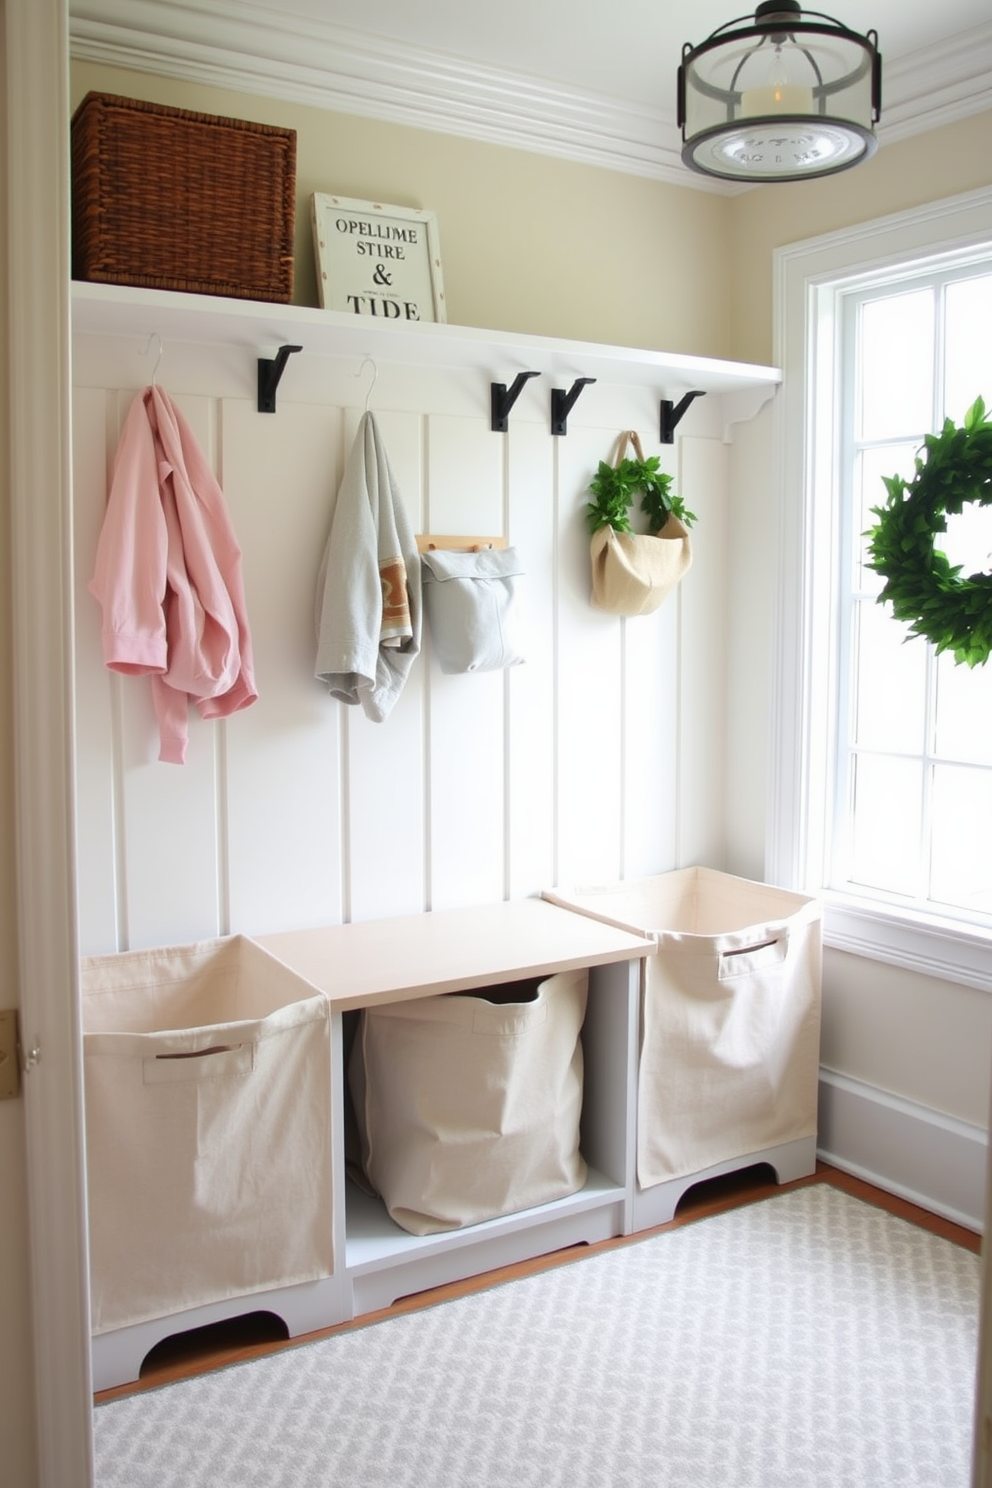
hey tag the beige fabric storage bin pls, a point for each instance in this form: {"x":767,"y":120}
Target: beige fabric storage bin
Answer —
{"x":207,"y":1077}
{"x":469,"y":1108}
{"x":730,"y":1027}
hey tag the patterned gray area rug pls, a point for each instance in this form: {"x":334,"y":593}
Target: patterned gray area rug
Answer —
{"x":806,"y":1339}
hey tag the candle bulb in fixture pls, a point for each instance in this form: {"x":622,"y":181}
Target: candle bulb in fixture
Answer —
{"x":776,"y":98}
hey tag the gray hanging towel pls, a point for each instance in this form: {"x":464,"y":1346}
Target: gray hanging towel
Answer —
{"x":368,"y":588}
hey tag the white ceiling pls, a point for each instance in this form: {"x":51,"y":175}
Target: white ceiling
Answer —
{"x":588,"y":79}
{"x":611,"y":46}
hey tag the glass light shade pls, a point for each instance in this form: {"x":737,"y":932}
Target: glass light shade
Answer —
{"x":791,"y":95}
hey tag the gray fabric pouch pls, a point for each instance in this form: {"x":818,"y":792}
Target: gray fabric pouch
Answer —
{"x":472,"y":604}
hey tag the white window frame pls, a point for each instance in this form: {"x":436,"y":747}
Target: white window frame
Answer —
{"x":809,"y":278}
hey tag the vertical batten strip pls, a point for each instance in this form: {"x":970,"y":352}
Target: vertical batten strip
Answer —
{"x":344,"y":808}
{"x":222,"y":827}
{"x":425,"y":662}
{"x":624,"y":755}
{"x":556,"y":660}
{"x":679,"y":680}
{"x":115,"y":419}
{"x":220,"y":739}
{"x":122,"y":928}
{"x":347,"y":427}
{"x":507,"y":694}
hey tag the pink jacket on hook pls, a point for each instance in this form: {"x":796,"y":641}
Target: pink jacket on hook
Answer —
{"x":168,"y":575}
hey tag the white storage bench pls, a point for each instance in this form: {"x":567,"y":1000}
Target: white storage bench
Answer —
{"x":379,"y":963}
{"x":192,"y":1002}
{"x":760,"y":1106}
{"x":730,"y":1027}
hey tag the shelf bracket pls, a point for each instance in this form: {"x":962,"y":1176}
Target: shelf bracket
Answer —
{"x":672,"y":413}
{"x":502,"y":400}
{"x":270,"y":370}
{"x":562,"y":404}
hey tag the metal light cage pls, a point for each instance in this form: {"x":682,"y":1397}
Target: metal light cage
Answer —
{"x":786,"y":96}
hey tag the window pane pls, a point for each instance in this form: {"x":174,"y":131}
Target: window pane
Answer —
{"x":961,"y":854}
{"x":897,"y":365}
{"x":890,"y":686}
{"x":883,"y":459}
{"x":964,"y":713}
{"x":968,"y":345}
{"x":885,"y":845}
{"x":968,"y":539}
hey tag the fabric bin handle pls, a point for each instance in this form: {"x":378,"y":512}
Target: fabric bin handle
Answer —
{"x":743,"y":960}
{"x":199,"y":1064}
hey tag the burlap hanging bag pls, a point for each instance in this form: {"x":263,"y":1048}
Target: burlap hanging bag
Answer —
{"x":634,"y":572}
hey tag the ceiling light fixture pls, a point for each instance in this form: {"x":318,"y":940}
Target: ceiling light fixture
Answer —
{"x":791,"y":95}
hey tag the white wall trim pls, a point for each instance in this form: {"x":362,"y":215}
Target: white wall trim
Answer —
{"x":950,"y":952}
{"x":41,"y":600}
{"x":908,"y":1149}
{"x":233,"y":45}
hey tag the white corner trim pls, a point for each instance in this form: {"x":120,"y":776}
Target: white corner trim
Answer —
{"x":905,"y":1148}
{"x":743,"y":405}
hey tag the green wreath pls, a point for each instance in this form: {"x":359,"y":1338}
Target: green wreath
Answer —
{"x":954,"y":613}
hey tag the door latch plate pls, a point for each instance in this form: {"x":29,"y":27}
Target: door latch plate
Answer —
{"x":10,"y":1063}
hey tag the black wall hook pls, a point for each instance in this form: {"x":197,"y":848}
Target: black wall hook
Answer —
{"x":269,"y":372}
{"x":671,"y":413}
{"x":502,"y":400}
{"x":562,"y":404}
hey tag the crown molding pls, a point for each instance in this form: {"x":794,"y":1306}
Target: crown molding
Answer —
{"x":949,"y":81}
{"x":251,"y":49}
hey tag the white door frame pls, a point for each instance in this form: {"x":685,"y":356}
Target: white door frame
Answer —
{"x":38,"y":374}
{"x":38,"y":377}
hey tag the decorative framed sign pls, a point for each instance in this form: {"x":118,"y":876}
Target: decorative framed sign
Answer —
{"x":377,"y":260}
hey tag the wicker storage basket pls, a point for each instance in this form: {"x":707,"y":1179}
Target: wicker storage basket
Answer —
{"x":169,"y":199}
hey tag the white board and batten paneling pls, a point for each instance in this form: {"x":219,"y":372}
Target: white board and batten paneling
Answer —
{"x":602,"y":756}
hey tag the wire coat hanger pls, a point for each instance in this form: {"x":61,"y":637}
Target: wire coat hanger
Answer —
{"x":154,"y":336}
{"x":369,"y":362}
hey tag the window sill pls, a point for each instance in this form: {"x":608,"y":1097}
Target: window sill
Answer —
{"x":942,"y":948}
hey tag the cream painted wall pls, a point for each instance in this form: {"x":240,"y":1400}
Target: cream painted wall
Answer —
{"x":18,"y":1457}
{"x":528,"y":243}
{"x":913,"y":1035}
{"x":923,"y":169}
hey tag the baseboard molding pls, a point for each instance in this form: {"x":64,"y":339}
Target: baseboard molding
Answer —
{"x":907,"y":1149}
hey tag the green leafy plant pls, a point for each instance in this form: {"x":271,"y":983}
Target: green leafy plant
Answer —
{"x":615,"y":487}
{"x":922,"y":586}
